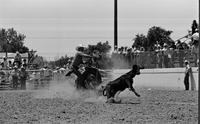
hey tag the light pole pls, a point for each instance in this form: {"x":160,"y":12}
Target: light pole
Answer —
{"x":199,"y":69}
{"x":115,"y":26}
{"x":6,"y":49}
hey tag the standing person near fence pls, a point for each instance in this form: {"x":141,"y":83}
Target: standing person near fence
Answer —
{"x":5,"y":63}
{"x":165,"y":55}
{"x":18,"y":59}
{"x":24,"y":64}
{"x":10,"y":64}
{"x":189,"y":76}
{"x":159,"y":55}
{"x":171,"y":57}
{"x":15,"y":77}
{"x":22,"y":78}
{"x":181,"y":53}
{"x":195,"y":45}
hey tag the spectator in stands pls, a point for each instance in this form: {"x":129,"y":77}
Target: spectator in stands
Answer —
{"x":15,"y":77}
{"x":129,"y":52}
{"x":172,"y":45}
{"x":180,"y":51}
{"x":194,"y":26}
{"x":10,"y":65}
{"x":179,"y":45}
{"x":195,"y":38}
{"x":157,"y":46}
{"x":165,"y":55}
{"x":5,"y":63}
{"x":22,"y":77}
{"x":133,"y":55}
{"x":18,"y":59}
{"x":124,"y":53}
{"x":171,"y":57}
{"x":185,"y":46}
{"x":195,"y":47}
{"x":159,"y":56}
{"x":141,"y":57}
{"x":24,"y":64}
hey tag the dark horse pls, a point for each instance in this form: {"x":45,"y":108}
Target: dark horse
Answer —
{"x":91,"y":78}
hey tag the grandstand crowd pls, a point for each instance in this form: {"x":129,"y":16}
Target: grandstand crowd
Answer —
{"x":161,"y":56}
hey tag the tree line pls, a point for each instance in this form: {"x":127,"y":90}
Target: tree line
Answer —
{"x":155,"y":35}
{"x":158,"y":35}
{"x":12,"y":41}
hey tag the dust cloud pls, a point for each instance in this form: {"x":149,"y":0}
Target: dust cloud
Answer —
{"x":65,"y":89}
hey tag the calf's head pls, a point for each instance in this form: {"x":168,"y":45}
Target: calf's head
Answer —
{"x":136,"y":69}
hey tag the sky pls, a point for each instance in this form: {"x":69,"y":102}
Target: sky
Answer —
{"x":55,"y":27}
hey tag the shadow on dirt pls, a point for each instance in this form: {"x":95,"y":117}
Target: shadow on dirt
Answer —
{"x":124,"y":102}
{"x":133,"y":103}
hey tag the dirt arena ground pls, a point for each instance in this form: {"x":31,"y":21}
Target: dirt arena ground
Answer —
{"x":155,"y":106}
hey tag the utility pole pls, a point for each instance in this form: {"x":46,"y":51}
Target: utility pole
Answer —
{"x":115,"y":26}
{"x":6,"y":49}
{"x":199,"y":69}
